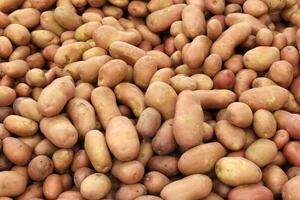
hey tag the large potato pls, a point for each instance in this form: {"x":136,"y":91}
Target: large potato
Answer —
{"x":230,"y":172}
{"x":12,"y":183}
{"x":27,"y":17}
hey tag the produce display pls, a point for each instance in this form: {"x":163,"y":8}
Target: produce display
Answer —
{"x":149,"y":99}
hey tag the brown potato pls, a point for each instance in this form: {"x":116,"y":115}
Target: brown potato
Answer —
{"x":95,"y":186}
{"x":228,"y":173}
{"x":192,"y":183}
{"x":45,"y":147}
{"x":289,"y":122}
{"x":163,"y":75}
{"x":124,"y":145}
{"x":207,"y":155}
{"x":224,"y":79}
{"x":126,"y":192}
{"x":264,"y":124}
{"x":15,"y":68}
{"x":274,"y":178}
{"x":28,"y":17}
{"x":80,"y":174}
{"x":162,"y":60}
{"x":281,"y":138}
{"x":39,"y":168}
{"x":67,"y":18}
{"x":34,"y":190}
{"x":155,"y":182}
{"x":203,"y":81}
{"x":6,"y":48}
{"x":193,"y":21}
{"x":264,"y":36}
{"x":20,"y":126}
{"x":166,"y":165}
{"x":128,"y":172}
{"x":27,"y":107}
{"x":214,"y":29}
{"x":146,"y":151}
{"x":261,"y":152}
{"x":137,"y":9}
{"x":8,"y":96}
{"x":290,"y":152}
{"x":239,"y":114}
{"x":22,"y":38}
{"x":32,"y":141}
{"x":97,"y":151}
{"x":16,"y":151}
{"x":253,"y":191}
{"x":237,"y":17}
{"x":80,"y":160}
{"x":281,"y":72}
{"x":84,"y":91}
{"x":12,"y":183}
{"x":93,"y":52}
{"x":215,"y":8}
{"x":67,"y":136}
{"x":52,"y":186}
{"x":62,"y":159}
{"x":148,"y":123}
{"x":289,"y":190}
{"x":243,"y":80}
{"x":255,"y":8}
{"x":112,"y":11}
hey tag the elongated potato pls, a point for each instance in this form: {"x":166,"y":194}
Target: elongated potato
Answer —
{"x":193,"y":21}
{"x":20,"y":126}
{"x":67,"y":18}
{"x":8,"y":95}
{"x":188,"y":109}
{"x":148,"y":123}
{"x":289,"y":122}
{"x":49,"y":23}
{"x":198,"y":185}
{"x":27,"y":17}
{"x":274,"y":178}
{"x":54,"y":97}
{"x":60,"y":131}
{"x":130,"y":191}
{"x":12,"y":183}
{"x":122,"y":139}
{"x":15,"y":68}
{"x":97,"y":151}
{"x":104,"y":102}
{"x":252,"y":191}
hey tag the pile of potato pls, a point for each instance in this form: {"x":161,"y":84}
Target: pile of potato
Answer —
{"x":149,"y":99}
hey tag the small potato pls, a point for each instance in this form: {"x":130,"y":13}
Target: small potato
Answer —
{"x":289,"y":122}
{"x":20,"y":126}
{"x":122,"y":138}
{"x":155,"y":182}
{"x":166,"y":165}
{"x":155,"y":5}
{"x":82,"y":115}
{"x":274,"y":178}
{"x":203,"y":81}
{"x":207,"y":155}
{"x":269,"y":97}
{"x":222,"y":46}
{"x":80,"y":174}
{"x":49,"y":23}
{"x":16,"y":151}
{"x":8,"y":96}
{"x":228,"y":173}
{"x":97,"y":151}
{"x":148,"y":123}
{"x":224,"y":79}
{"x":137,"y":9}
{"x":112,"y":11}
{"x":188,"y":109}
{"x":93,"y":52}
{"x":35,"y":60}
{"x":143,"y":71}
{"x":54,"y":97}
{"x":193,"y":21}
{"x":28,"y":17}
{"x":232,"y":137}
{"x":80,"y":160}
{"x":146,"y":152}
{"x":261,"y":152}
{"x":289,"y":190}
{"x":6,"y":48}
{"x":212,"y":65}
{"x":67,"y":18}
{"x":128,"y":172}
{"x":243,"y":80}
{"x":126,"y":192}
{"x":281,"y":138}
{"x":85,"y":31}
{"x":36,"y":78}
{"x":32,"y":141}
{"x":84,"y":91}
{"x":264,"y":124}
{"x":250,"y":192}
{"x":255,"y":8}
{"x":238,"y":17}
{"x":264,"y":37}
{"x":62,"y":159}
{"x":215,"y":99}
{"x":34,"y":190}
{"x":216,"y":8}
{"x":148,"y":35}
{"x":52,"y":186}
{"x":12,"y":183}
{"x":214,"y":29}
{"x":164,"y":142}
{"x":190,"y":55}
{"x":281,"y":72}
{"x":95,"y":186}
{"x":45,"y":147}
{"x":271,"y":55}
{"x":198,"y":185}
{"x":15,"y":69}
{"x":234,"y":63}
{"x":67,"y":136}
{"x":22,"y":38}
{"x":262,"y":82}
{"x":162,"y":60}
{"x":44,"y":38}
{"x":39,"y":168}
{"x":162,"y":97}
{"x":166,"y":17}
{"x":131,"y":96}
{"x":239,"y":114}
{"x":181,"y":82}
{"x":23,"y":90}
{"x":290,"y":152}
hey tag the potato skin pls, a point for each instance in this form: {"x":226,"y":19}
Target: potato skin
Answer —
{"x":8,"y":94}
{"x":274,"y":178}
{"x":250,"y":192}
{"x":128,"y":172}
{"x":20,"y":126}
{"x":193,"y":21}
{"x":290,"y":152}
{"x":289,"y":190}
{"x":288,"y":121}
{"x":264,"y":124}
{"x":164,"y":164}
{"x":239,"y":114}
{"x":132,"y":191}
{"x":148,"y":123}
{"x":52,"y":186}
{"x":67,"y":136}
{"x":207,"y":155}
{"x":188,"y":109}
{"x":271,"y":98}
{"x":97,"y":151}
{"x":193,"y":183}
{"x":155,"y":182}
{"x":228,"y":173}
{"x":122,"y":139}
{"x":12,"y":183}
{"x":39,"y":168}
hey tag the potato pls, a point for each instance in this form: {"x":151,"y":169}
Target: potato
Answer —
{"x":95,"y":186}
{"x":6,"y":47}
{"x":105,"y":35}
{"x":67,"y":18}
{"x":45,"y":147}
{"x":15,"y":69}
{"x":148,"y":123}
{"x":215,"y":8}
{"x":80,"y":160}
{"x":16,"y":151}
{"x":39,"y":168}
{"x":223,"y":47}
{"x":243,"y":80}
{"x":93,"y":52}
{"x":61,"y":89}
{"x":49,"y":23}
{"x":112,"y":11}
{"x":289,"y":190}
{"x":207,"y":155}
{"x":62,"y":159}
{"x":162,"y":60}
{"x":224,"y":79}
{"x":166,"y":17}
{"x":148,"y":35}
{"x":97,"y":151}
{"x":123,"y":145}
{"x":239,"y":114}
{"x":188,"y":109}
{"x":67,"y":136}
{"x":203,"y":81}
{"x":190,"y":55}
{"x":281,"y":138}
{"x":22,"y":38}
{"x":214,"y":29}
{"x":264,"y":36}
{"x":52,"y":186}
{"x":181,"y":82}
{"x":228,"y":173}
{"x":164,"y":164}
{"x":162,"y":97}
{"x":269,"y":97}
{"x":80,"y":174}
{"x":20,"y":126}
{"x":27,"y":17}
{"x":199,"y":186}
{"x":253,"y":191}
{"x":289,"y":122}
{"x":8,"y":96}
{"x":215,"y":99}
{"x":275,"y":5}
{"x":126,"y":192}
{"x":9,"y":6}
{"x":274,"y":178}
{"x":190,"y":26}
{"x":4,"y":112}
{"x":32,"y":141}
{"x":34,"y":190}
{"x":128,"y":172}
{"x":155,"y":182}
{"x":255,"y":8}
{"x":155,"y":5}
{"x":12,"y":183}
{"x":290,"y":152}
{"x":281,"y":72}
{"x":28,"y":108}
{"x":264,"y":124}
{"x":145,"y":152}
